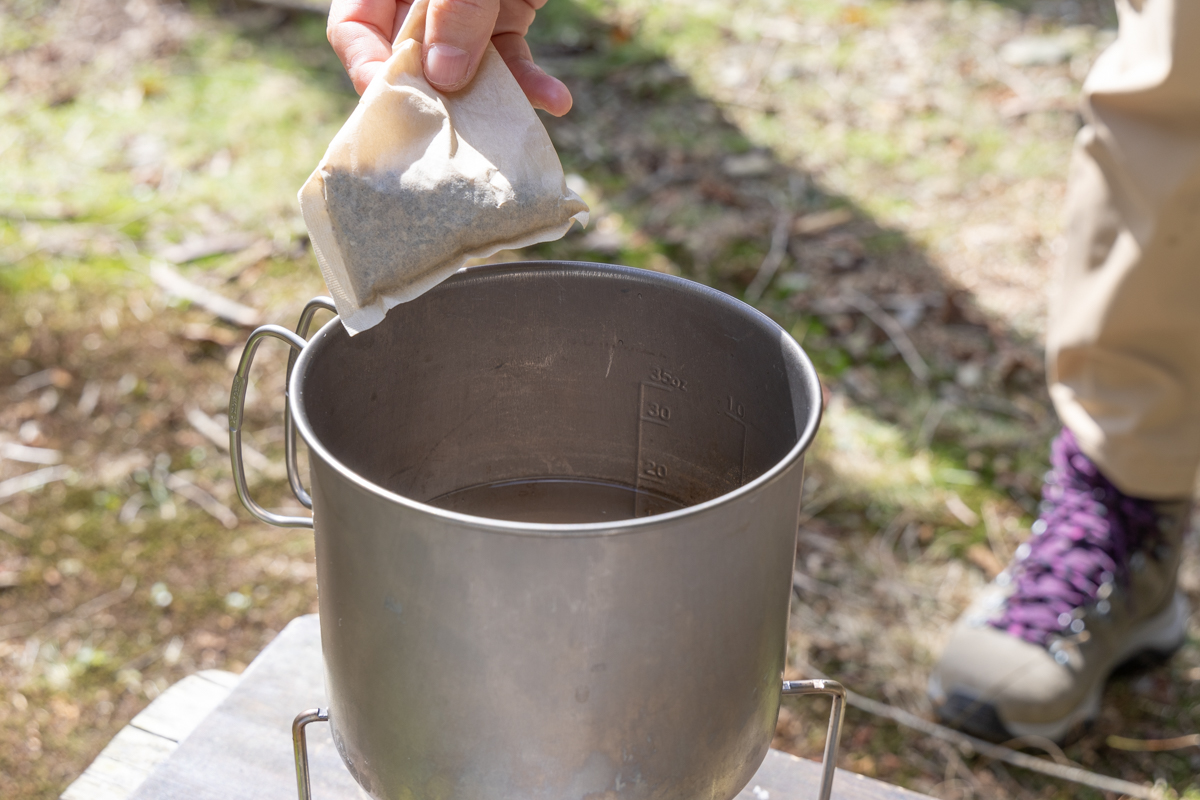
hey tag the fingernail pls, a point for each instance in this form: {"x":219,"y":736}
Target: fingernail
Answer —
{"x":445,"y":65}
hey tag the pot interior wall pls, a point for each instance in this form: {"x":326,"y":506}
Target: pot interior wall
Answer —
{"x":559,"y":371}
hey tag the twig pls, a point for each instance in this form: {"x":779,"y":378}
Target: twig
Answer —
{"x":229,"y":310}
{"x":132,"y":506}
{"x":929,"y":425}
{"x":203,"y":247}
{"x":15,"y":629}
{"x":816,"y":506}
{"x":1041,"y":743}
{"x":774,"y":259}
{"x":32,"y":480}
{"x":804,"y":583}
{"x":820,"y":221}
{"x":1153,"y":745}
{"x":998,"y":752}
{"x":992,"y":525}
{"x":315,"y":6}
{"x":88,"y":399}
{"x":98,"y":604}
{"x":956,"y":766}
{"x":771,"y":47}
{"x":209,"y":428}
{"x":659,"y":180}
{"x":900,"y":304}
{"x":961,"y":511}
{"x":884,"y":542}
{"x":55,"y":376}
{"x":894,"y":331}
{"x":254,"y":254}
{"x":30,"y":455}
{"x":14,"y":528}
{"x":218,"y":434}
{"x":190,"y":491}
{"x":36,"y":216}
{"x":147,"y":658}
{"x":85,"y":609}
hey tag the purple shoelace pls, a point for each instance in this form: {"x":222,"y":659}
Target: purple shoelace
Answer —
{"x":1082,"y":543}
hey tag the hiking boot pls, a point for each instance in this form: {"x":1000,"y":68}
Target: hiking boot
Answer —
{"x":1092,"y":589}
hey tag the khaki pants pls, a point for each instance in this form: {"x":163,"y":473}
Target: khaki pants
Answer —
{"x":1123,"y":343}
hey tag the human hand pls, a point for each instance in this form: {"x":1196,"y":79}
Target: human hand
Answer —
{"x":456,"y":34}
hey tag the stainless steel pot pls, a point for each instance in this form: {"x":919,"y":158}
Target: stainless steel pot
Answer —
{"x":480,"y":659}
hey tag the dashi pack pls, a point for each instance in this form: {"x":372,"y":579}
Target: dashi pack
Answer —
{"x":417,"y":182}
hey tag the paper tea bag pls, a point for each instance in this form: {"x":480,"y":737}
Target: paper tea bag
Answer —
{"x":417,"y":182}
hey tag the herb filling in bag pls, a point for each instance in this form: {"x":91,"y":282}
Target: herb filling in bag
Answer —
{"x":417,"y":182}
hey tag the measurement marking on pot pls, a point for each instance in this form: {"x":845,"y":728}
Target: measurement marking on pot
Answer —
{"x":660,"y":375}
{"x":658,"y":408}
{"x":653,"y":470}
{"x":737,"y":412}
{"x":658,"y":413}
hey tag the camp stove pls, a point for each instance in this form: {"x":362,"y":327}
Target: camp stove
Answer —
{"x":790,"y":688}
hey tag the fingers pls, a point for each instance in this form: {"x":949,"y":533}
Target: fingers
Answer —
{"x":360,"y":32}
{"x":543,"y":91}
{"x":456,"y":34}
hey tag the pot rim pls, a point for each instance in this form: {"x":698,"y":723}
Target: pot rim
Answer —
{"x":788,"y":344}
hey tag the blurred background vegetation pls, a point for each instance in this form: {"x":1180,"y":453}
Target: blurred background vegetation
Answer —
{"x":882,"y":177}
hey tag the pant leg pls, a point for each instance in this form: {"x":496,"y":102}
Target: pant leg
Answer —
{"x":1123,"y":343}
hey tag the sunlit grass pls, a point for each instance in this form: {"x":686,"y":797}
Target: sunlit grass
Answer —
{"x":218,"y":138}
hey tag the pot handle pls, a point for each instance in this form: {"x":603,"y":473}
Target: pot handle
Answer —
{"x":289,"y":426}
{"x":237,"y":404}
{"x":838,"y":692}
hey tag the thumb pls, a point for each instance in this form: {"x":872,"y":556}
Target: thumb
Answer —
{"x":456,"y":34}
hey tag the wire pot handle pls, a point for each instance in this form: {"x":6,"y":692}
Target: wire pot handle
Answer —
{"x":237,"y":405}
{"x":289,"y":425}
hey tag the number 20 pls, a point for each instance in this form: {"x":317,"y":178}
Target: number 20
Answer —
{"x":655,"y":470}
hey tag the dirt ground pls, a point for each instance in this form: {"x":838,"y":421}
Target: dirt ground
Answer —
{"x":891,"y":161}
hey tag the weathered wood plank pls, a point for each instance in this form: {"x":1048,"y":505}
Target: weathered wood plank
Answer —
{"x":137,"y":749}
{"x":151,"y":737}
{"x":121,"y":766}
{"x":783,"y":776}
{"x":91,"y":786}
{"x":243,"y":750}
{"x":177,"y":711}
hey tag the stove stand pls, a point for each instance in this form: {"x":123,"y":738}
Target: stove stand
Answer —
{"x":790,"y":688}
{"x":300,"y":744}
{"x":836,"y":714}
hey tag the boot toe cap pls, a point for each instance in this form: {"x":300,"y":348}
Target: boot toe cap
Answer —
{"x":988,"y":680}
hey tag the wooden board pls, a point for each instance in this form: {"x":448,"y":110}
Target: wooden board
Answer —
{"x":151,"y":737}
{"x":783,"y":776}
{"x":243,"y":749}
